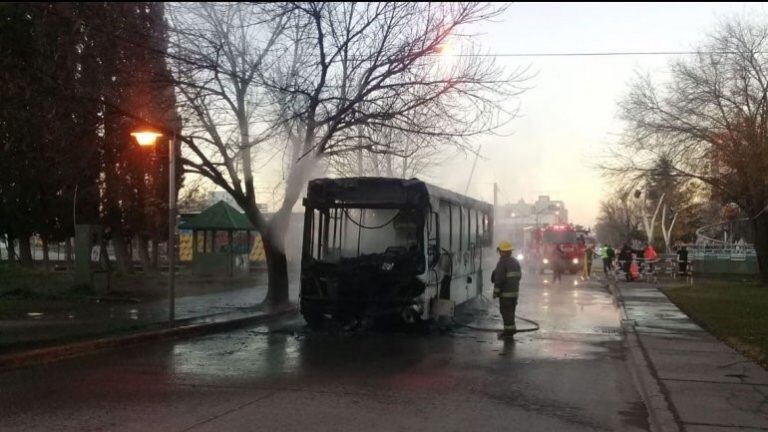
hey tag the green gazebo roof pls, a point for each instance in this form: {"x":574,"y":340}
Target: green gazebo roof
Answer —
{"x":220,"y":216}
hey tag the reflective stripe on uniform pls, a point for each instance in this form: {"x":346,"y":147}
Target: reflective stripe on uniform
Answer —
{"x":508,"y":295}
{"x":513,"y":274}
{"x":510,"y":327}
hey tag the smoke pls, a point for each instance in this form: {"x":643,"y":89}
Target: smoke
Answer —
{"x":282,"y":224}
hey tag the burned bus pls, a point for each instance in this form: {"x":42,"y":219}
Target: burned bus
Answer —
{"x":384,"y":246}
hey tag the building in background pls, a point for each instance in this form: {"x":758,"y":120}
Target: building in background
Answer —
{"x":513,"y":219}
{"x":544,"y":211}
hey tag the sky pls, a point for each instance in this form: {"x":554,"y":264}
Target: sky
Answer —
{"x":568,"y":119}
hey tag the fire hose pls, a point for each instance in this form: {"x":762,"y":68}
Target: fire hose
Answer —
{"x":497,"y":330}
{"x":535,"y":324}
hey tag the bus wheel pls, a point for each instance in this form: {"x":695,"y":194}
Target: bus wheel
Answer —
{"x":410,"y":315}
{"x":314,"y":319}
{"x":347,"y":321}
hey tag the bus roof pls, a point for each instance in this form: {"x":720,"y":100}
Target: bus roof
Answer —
{"x":382,"y":192}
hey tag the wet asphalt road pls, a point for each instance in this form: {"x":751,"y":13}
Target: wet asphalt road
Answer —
{"x":570,"y":375}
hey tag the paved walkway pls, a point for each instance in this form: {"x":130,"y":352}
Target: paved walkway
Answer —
{"x":91,"y":319}
{"x":709,"y":386}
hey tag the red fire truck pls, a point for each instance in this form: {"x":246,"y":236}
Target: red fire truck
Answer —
{"x":544,"y":241}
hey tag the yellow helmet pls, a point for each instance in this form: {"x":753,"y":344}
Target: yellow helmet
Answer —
{"x":505,"y":246}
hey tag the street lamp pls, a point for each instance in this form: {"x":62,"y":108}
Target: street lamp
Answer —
{"x":146,"y":138}
{"x":149,"y":138}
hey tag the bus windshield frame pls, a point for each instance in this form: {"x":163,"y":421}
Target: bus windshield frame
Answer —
{"x":342,"y":234}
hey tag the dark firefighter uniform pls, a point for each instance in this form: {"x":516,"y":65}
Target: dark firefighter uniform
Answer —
{"x":506,"y":285}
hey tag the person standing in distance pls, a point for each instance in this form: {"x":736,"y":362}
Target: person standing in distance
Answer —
{"x":506,"y":285}
{"x":606,"y":261}
{"x":558,"y":264}
{"x":611,"y":254}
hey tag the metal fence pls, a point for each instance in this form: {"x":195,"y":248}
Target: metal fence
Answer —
{"x":722,"y":253}
{"x":666,"y":265}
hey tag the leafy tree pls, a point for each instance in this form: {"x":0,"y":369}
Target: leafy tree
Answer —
{"x":77,"y":77}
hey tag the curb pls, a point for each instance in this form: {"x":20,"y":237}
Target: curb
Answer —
{"x":52,"y":354}
{"x":661,"y":418}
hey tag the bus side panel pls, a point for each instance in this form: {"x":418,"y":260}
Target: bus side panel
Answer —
{"x":429,"y":277}
{"x":464,"y":284}
{"x":463,"y":233}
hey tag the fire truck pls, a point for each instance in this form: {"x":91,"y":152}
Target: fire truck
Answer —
{"x":540,"y":245}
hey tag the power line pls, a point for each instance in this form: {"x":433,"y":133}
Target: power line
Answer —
{"x":597,"y":54}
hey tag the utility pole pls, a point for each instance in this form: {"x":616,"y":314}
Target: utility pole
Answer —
{"x":472,"y":173}
{"x":495,"y":199}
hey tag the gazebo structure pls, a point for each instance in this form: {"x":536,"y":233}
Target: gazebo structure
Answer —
{"x":221,"y":240}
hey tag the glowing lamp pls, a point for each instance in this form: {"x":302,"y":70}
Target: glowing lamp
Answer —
{"x":146,"y":138}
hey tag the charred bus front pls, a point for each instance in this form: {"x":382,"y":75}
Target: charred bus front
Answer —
{"x":378,"y":246}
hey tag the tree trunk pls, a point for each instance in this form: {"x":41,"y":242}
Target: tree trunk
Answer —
{"x":760,"y":225}
{"x":277,"y":265}
{"x":360,"y":161}
{"x":122,"y":259}
{"x":11,"y":246}
{"x":155,"y":254}
{"x":376,"y":168}
{"x":103,"y":253}
{"x":276,"y":229}
{"x":46,"y":257}
{"x":25,"y":250}
{"x":144,"y":253}
{"x":68,"y":249}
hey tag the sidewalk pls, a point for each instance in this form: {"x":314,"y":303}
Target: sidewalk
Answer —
{"x":93,"y":320}
{"x":708,"y":385}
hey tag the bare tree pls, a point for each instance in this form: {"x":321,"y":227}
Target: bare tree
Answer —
{"x":711,"y":121}
{"x":403,"y":156}
{"x":319,"y":80}
{"x":618,"y":221}
{"x":193,"y":197}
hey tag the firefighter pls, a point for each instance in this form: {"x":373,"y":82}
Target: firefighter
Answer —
{"x":558,"y":264}
{"x":589,"y":253}
{"x":506,"y":285}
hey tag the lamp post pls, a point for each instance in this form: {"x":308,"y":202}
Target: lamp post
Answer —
{"x":148,"y":138}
